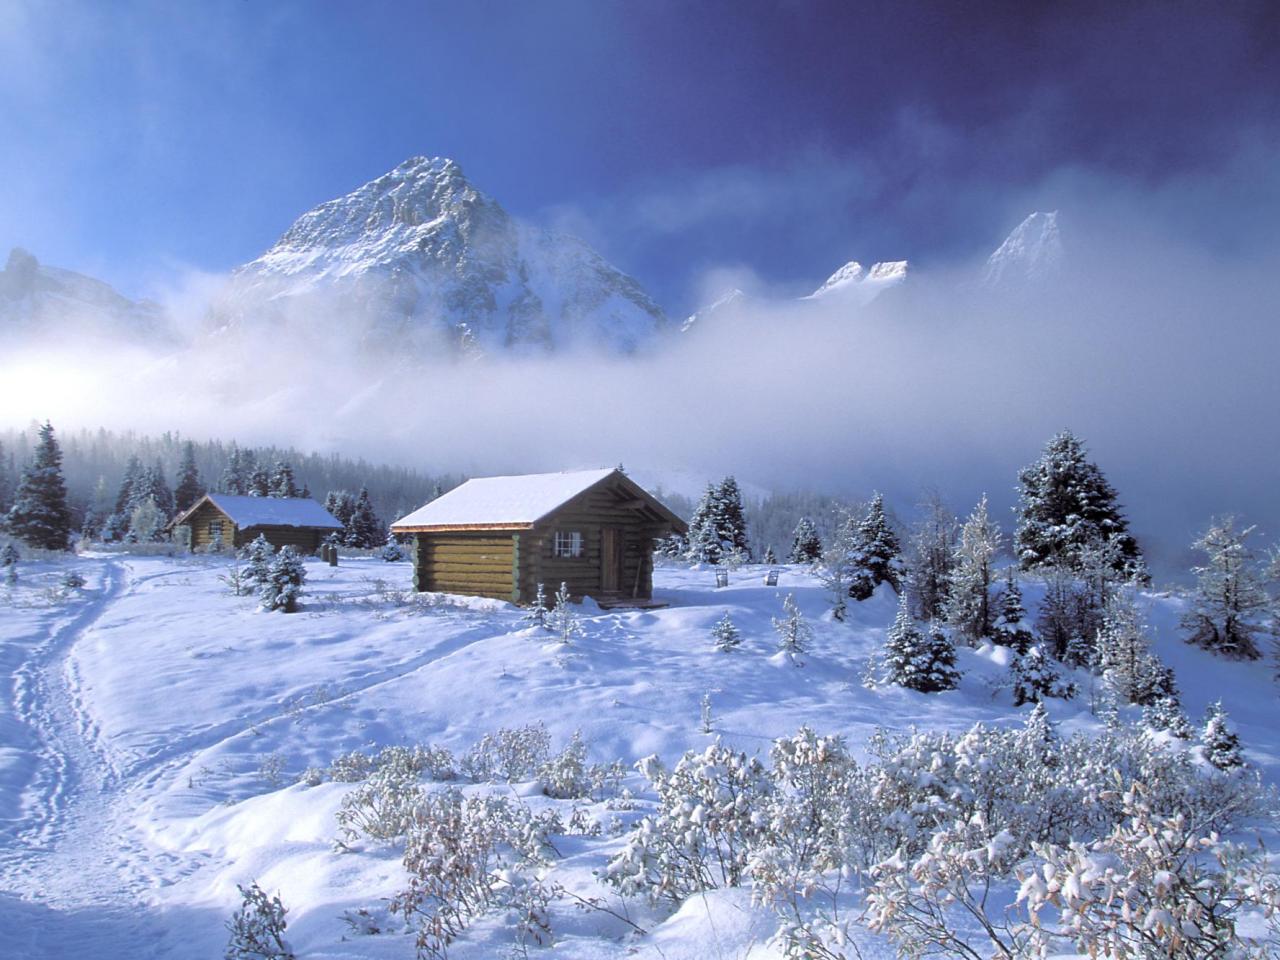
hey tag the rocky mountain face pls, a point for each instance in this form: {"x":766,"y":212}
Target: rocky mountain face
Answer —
{"x":1031,"y":255}
{"x":421,"y":260}
{"x":39,"y":300}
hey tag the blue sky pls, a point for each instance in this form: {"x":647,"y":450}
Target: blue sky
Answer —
{"x":143,"y":139}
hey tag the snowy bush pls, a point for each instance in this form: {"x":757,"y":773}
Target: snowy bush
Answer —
{"x":461,"y":854}
{"x":283,"y":584}
{"x":1034,"y":677}
{"x":563,"y":621}
{"x":350,"y":767}
{"x":71,"y":580}
{"x":434,"y":762}
{"x":392,"y":551}
{"x":382,"y":807}
{"x":511,"y":754}
{"x":9,"y":557}
{"x":1218,"y":742}
{"x":565,"y":776}
{"x":706,"y":823}
{"x":257,"y":928}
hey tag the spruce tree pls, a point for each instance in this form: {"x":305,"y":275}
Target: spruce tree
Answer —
{"x":805,"y":545}
{"x":340,"y":505}
{"x":769,"y":557}
{"x":127,"y":497}
{"x":235,"y":478}
{"x":969,"y":608}
{"x":259,"y":482}
{"x":920,"y":661}
{"x":1229,"y":598}
{"x":733,"y":519}
{"x":725,"y":634}
{"x":1010,"y":627}
{"x":794,"y":632}
{"x":189,"y":488}
{"x":932,"y":556}
{"x":1065,"y":503}
{"x":282,"y":483}
{"x":364,"y":528}
{"x":8,"y":482}
{"x":282,"y":585}
{"x":40,"y":516}
{"x":1034,"y":677}
{"x":1124,"y":653}
{"x":876,"y":553}
{"x":1166,"y":714}
{"x":705,"y":545}
{"x":1220,"y":743}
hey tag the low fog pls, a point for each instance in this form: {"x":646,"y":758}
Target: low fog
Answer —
{"x":1161,"y":354}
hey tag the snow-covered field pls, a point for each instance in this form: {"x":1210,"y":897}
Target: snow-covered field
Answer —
{"x":153,"y":727}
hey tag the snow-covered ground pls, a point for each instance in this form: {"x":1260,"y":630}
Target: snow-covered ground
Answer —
{"x":153,"y":726}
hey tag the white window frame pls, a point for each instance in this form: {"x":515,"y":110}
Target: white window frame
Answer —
{"x":215,"y":528}
{"x":568,"y":545}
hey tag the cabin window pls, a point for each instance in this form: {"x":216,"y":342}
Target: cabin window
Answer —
{"x":568,"y":543}
{"x":215,"y":529}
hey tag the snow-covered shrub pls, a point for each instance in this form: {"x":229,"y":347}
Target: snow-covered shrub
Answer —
{"x":283,"y":584}
{"x":71,"y":580}
{"x":9,"y":557}
{"x":702,"y":834}
{"x":563,"y":621}
{"x":392,"y":551}
{"x":512,"y":754}
{"x":725,"y":635}
{"x":1034,"y":677}
{"x":312,"y":776}
{"x":794,"y":632}
{"x":1010,"y":628}
{"x":565,"y":776}
{"x":382,"y":807}
{"x":1166,"y":713}
{"x":350,"y":767}
{"x":461,"y":854}
{"x":257,"y":928}
{"x":434,"y":762}
{"x":258,"y":556}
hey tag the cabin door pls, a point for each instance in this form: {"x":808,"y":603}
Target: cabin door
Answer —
{"x":611,"y":560}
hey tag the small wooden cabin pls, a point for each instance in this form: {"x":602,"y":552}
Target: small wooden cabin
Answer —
{"x":298,"y":522}
{"x":501,"y":536}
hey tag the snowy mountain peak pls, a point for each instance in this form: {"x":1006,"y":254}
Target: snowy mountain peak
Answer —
{"x":425,"y":261}
{"x":862,"y":286}
{"x":1030,"y":254}
{"x":733,"y":298}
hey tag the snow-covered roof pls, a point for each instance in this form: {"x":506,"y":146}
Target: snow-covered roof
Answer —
{"x":499,"y":502}
{"x":273,"y":511}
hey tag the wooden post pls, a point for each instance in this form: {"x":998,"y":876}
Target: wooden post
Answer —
{"x":515,"y":568}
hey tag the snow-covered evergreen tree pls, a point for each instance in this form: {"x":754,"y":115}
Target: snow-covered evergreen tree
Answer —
{"x":563,"y":621}
{"x":151,"y":485}
{"x":769,"y":557}
{"x":931,"y":559}
{"x":725,"y":634}
{"x":718,"y":524}
{"x":284,"y":580}
{"x":1166,"y":713}
{"x":1124,"y":654}
{"x":8,"y":481}
{"x":794,"y":632}
{"x":259,"y":484}
{"x":258,"y":556}
{"x":235,"y":478}
{"x":969,"y":608}
{"x":538,"y":612}
{"x":282,"y":483}
{"x":40,"y":516}
{"x":189,"y":488}
{"x":1065,"y":503}
{"x":1220,"y":744}
{"x":1010,"y":628}
{"x":1229,"y":599}
{"x":364,"y":529}
{"x":835,"y":567}
{"x":916,"y":660}
{"x":673,"y":547}
{"x":392,"y":550}
{"x":9,"y":557}
{"x":876,"y":553}
{"x":1034,"y":677}
{"x":341,"y":505}
{"x":146,"y":523}
{"x":806,"y":547}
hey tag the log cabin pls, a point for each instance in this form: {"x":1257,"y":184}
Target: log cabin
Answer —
{"x":298,"y":522}
{"x":593,"y":530}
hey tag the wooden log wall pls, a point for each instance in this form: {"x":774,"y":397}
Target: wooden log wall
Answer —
{"x":199,"y":524}
{"x":474,"y":564}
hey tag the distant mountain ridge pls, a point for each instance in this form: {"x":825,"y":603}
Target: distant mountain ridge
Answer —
{"x":37,"y":298}
{"x":435,"y":263}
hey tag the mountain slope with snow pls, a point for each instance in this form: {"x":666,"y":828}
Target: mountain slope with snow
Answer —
{"x":421,"y":259}
{"x":1030,"y":255}
{"x":40,"y":300}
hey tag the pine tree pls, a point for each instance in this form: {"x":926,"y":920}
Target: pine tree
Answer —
{"x":284,"y":580}
{"x":392,"y":551}
{"x":258,"y":555}
{"x":562,"y":620}
{"x":364,"y":528}
{"x":1166,"y":713}
{"x":1010,"y":628}
{"x":8,"y":482}
{"x":835,"y":568}
{"x":40,"y":515}
{"x":1039,"y":736}
{"x":769,"y":557}
{"x":1065,"y":502}
{"x":282,"y":484}
{"x":151,"y":485}
{"x":876,"y":553}
{"x":538,"y":612}
{"x":235,"y":478}
{"x":127,"y":498}
{"x":259,"y":484}
{"x":794,"y":632}
{"x":916,"y":660}
{"x":189,"y":488}
{"x":718,"y":525}
{"x":146,"y":523}
{"x":1034,"y":677}
{"x":969,"y":608}
{"x":1220,"y":743}
{"x":805,"y":545}
{"x":341,"y":505}
{"x":933,"y":548}
{"x":725,"y":634}
{"x":1124,"y":653}
{"x":9,"y":557}
{"x":733,"y":519}
{"x":1229,"y":596}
